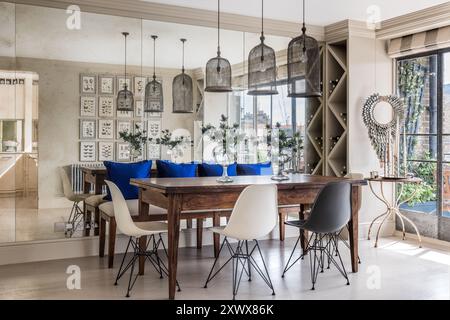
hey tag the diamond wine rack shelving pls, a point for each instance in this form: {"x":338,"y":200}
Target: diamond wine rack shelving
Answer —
{"x":314,"y":142}
{"x":335,"y":107}
{"x":326,"y":117}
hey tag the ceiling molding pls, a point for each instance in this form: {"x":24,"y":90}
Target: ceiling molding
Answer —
{"x":419,"y":21}
{"x":348,"y":28}
{"x":177,"y":14}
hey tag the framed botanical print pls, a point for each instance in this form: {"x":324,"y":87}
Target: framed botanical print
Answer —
{"x":106,"y":106}
{"x":87,"y":106}
{"x":138,"y":108}
{"x":121,"y":81}
{"x":88,"y":151}
{"x":123,"y":126}
{"x":88,"y":83}
{"x":154,"y":128}
{"x":106,"y":84}
{"x":87,"y":129}
{"x":123,"y":151}
{"x":139,"y":86}
{"x":105,"y":151}
{"x":106,"y":129}
{"x":153,"y":151}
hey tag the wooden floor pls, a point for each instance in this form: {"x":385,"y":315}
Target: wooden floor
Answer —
{"x":405,"y":272}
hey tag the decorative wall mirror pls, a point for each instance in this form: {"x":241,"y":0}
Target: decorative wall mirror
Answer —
{"x":383,"y":117}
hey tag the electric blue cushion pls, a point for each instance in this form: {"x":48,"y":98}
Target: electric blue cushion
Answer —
{"x":168,"y":169}
{"x":215,"y":170}
{"x":257,"y":169}
{"x":121,"y":173}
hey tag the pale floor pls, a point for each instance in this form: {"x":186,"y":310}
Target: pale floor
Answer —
{"x":405,"y":272}
{"x":21,"y":221}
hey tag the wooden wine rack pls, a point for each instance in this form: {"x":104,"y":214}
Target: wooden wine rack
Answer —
{"x":336,"y":109}
{"x":326,"y":117}
{"x":314,"y":140}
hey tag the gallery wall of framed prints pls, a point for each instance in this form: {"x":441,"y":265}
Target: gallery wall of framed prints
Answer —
{"x":100,"y":123}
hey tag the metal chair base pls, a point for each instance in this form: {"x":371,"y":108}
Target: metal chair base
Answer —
{"x":76,"y":217}
{"x":241,"y":258}
{"x":150,"y":255}
{"x":320,"y":247}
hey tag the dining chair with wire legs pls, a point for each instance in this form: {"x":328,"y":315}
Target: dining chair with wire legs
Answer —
{"x":135,"y":231}
{"x":330,"y":213}
{"x":76,"y":217}
{"x":254,"y":216}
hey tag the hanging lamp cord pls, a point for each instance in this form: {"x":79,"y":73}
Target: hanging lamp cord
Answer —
{"x":125,"y":78}
{"x":154,"y":58}
{"x":304,"y":27}
{"x":182,"y":68}
{"x":218,"y":28}
{"x":262,"y":30}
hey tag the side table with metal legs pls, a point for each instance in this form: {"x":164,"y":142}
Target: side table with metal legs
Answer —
{"x":393,"y":209}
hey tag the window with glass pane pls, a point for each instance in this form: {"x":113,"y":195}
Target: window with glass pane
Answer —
{"x":282,"y":109}
{"x":417,"y":86}
{"x":446,"y":135}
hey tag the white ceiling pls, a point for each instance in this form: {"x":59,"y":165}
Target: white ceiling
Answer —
{"x":319,"y":12}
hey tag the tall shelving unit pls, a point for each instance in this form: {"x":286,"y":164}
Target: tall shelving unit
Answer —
{"x":336,"y":109}
{"x":314,"y":140}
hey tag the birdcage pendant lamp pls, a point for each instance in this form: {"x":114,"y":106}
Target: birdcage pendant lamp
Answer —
{"x":262,"y":67}
{"x":182,"y":96}
{"x":125,"y":99}
{"x":154,"y":100}
{"x":218,"y":69}
{"x":304,"y":71}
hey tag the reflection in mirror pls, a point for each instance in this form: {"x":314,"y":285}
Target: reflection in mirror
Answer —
{"x":73,"y":75}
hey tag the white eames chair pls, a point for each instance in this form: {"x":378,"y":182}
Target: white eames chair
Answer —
{"x":136,"y":230}
{"x":254,"y":216}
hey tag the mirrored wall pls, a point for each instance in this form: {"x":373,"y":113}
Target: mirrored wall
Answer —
{"x":59,"y":75}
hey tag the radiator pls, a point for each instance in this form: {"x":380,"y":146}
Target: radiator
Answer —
{"x":77,"y":176}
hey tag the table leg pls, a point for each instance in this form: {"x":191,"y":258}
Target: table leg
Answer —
{"x":216,"y":236}
{"x":199,"y":233}
{"x":86,"y":187}
{"x":98,"y":185}
{"x":142,"y":248}
{"x":173,"y":219}
{"x":143,"y":211}
{"x":353,"y":229}
{"x":303,"y":233}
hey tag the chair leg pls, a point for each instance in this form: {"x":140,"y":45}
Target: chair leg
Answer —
{"x":281,"y":220}
{"x":111,"y":242}
{"x":199,"y":233}
{"x":211,"y":275}
{"x":102,"y":237}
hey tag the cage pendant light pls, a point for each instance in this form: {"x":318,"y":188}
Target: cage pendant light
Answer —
{"x":154,"y":101}
{"x":125,"y":99}
{"x":262,"y":67}
{"x":182,"y":96}
{"x":304,"y":65}
{"x":218,"y":69}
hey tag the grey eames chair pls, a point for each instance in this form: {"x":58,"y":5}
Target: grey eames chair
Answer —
{"x":330,"y":213}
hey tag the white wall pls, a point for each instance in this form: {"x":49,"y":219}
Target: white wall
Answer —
{"x":370,"y":71}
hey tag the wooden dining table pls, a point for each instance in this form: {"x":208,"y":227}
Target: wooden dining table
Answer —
{"x":182,"y":196}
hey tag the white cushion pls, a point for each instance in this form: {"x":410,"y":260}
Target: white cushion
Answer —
{"x":133,"y":206}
